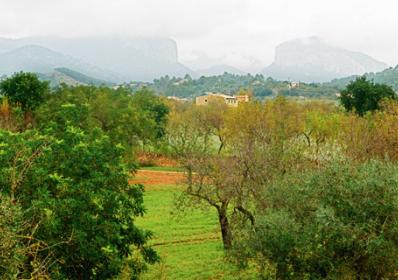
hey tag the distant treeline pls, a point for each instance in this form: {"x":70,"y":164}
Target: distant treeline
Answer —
{"x":261,"y":87}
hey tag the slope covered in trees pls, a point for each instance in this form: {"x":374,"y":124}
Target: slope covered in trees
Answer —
{"x":388,"y":77}
{"x":231,"y":84}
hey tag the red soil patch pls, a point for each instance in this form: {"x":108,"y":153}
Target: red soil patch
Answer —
{"x":150,"y":178}
{"x":152,"y":159}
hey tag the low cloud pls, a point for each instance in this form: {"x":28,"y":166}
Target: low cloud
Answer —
{"x":233,"y":31}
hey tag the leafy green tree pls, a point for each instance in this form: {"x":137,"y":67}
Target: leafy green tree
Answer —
{"x":362,"y":95}
{"x":25,"y":90}
{"x":154,"y":108}
{"x":75,"y":195}
{"x":127,"y":119}
{"x":338,"y":223}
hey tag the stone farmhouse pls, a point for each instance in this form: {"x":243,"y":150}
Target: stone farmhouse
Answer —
{"x":230,"y":100}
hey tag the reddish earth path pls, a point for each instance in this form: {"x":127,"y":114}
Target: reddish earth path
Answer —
{"x":150,"y":178}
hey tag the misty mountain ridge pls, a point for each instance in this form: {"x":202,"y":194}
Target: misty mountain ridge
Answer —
{"x":313,"y":60}
{"x":34,"y":58}
{"x":120,"y":58}
{"x":388,"y":76}
{"x":70,"y":77}
{"x":123,"y":59}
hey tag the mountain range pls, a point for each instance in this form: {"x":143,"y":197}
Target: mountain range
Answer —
{"x":313,"y":60}
{"x":117,"y":59}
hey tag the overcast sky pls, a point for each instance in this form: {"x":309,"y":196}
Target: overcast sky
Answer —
{"x":241,"y":33}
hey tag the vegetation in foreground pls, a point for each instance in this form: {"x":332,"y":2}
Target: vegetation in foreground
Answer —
{"x":238,"y":161}
{"x":295,"y":189}
{"x":189,"y":242}
{"x":68,"y":208}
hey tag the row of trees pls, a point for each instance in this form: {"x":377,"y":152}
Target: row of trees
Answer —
{"x":67,"y":209}
{"x":302,"y":190}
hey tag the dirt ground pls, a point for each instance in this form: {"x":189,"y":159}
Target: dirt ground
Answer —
{"x":150,"y":178}
{"x":150,"y":159}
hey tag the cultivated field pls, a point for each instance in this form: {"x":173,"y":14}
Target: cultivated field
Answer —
{"x":189,"y":243}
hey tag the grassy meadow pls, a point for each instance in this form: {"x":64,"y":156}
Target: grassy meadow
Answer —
{"x":189,"y":243}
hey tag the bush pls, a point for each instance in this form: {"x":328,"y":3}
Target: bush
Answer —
{"x":12,"y":250}
{"x":340,"y":223}
{"x":77,"y":203}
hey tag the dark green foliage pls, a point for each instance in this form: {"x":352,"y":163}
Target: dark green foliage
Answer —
{"x":153,"y":108}
{"x":24,"y":89}
{"x":127,"y":119}
{"x":76,"y":198}
{"x":339,"y":223}
{"x":262,"y":92}
{"x":362,"y":95}
{"x":12,"y":251}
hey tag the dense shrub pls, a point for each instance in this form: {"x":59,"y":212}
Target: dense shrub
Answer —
{"x":339,"y":223}
{"x":76,"y":202}
{"x":12,"y":250}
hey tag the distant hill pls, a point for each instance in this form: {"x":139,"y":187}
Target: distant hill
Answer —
{"x":71,"y":77}
{"x":33,"y":58}
{"x":388,"y":76}
{"x":219,"y":70}
{"x":312,"y":60}
{"x":126,"y":58}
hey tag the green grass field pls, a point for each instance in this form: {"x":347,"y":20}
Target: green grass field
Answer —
{"x":189,"y":244}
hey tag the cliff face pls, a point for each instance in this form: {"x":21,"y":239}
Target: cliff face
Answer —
{"x":312,"y":60}
{"x":121,"y":58}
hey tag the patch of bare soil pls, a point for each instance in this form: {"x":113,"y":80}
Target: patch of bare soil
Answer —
{"x":152,"y":159}
{"x":150,"y":178}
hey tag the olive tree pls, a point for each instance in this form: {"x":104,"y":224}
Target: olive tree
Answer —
{"x":228,"y":153}
{"x":336,"y":223}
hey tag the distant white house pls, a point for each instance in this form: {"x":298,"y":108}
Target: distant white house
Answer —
{"x":293,"y":85}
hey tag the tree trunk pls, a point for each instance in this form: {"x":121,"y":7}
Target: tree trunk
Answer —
{"x":225,"y":228}
{"x":28,"y":118}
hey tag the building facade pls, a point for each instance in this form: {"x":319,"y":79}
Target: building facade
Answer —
{"x":230,"y":100}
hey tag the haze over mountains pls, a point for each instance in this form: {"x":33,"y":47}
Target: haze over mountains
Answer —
{"x":119,"y":59}
{"x":313,"y":60}
{"x":124,"y":59}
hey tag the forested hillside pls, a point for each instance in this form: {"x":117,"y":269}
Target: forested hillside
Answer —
{"x":70,"y":77}
{"x":261,"y":87}
{"x":388,"y":77}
